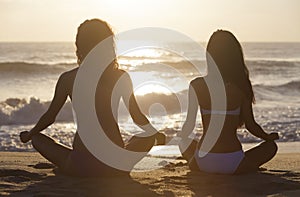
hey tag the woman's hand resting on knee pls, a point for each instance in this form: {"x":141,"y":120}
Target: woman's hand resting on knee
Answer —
{"x":25,"y":136}
{"x":272,"y":137}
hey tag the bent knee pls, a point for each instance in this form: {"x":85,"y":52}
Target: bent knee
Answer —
{"x":35,"y":141}
{"x":272,"y":147}
{"x":40,"y":140}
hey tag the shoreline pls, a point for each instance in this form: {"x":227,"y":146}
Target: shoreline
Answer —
{"x":173,"y":150}
{"x":283,"y":147}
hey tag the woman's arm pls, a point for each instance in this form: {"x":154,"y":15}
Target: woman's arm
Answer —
{"x":49,"y":116}
{"x":130,"y":102}
{"x":252,"y":126}
{"x":190,"y":121}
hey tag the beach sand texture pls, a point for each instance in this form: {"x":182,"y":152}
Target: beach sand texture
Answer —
{"x":28,"y":174}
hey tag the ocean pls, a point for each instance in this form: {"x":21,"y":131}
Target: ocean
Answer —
{"x":29,"y":71}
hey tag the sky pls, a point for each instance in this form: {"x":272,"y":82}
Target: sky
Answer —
{"x":57,"y":20}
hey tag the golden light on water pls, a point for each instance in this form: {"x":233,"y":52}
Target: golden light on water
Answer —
{"x":151,"y":88}
{"x":145,"y":52}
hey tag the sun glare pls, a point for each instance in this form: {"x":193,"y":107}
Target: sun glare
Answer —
{"x":151,"y":88}
{"x":150,"y":53}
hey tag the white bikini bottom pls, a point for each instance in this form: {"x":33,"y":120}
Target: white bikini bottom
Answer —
{"x":223,"y":163}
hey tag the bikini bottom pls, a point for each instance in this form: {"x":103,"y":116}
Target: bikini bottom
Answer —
{"x":223,"y":163}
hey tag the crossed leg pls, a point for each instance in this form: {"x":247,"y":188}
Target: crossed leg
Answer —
{"x":253,"y":159}
{"x":257,"y":156}
{"x":187,"y":148}
{"x":59,"y":154}
{"x":50,"y":149}
{"x":144,"y":144}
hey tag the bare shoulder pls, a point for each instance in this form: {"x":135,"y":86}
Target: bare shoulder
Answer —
{"x":198,"y":83}
{"x":69,"y":74}
{"x":66,"y":80}
{"x":122,"y":72}
{"x":123,"y":75}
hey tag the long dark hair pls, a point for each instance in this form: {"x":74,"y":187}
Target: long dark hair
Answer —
{"x":89,"y":34}
{"x":227,"y":53}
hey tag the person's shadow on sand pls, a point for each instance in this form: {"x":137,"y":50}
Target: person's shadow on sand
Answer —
{"x":169,"y":182}
{"x":253,"y":184}
{"x":39,"y":184}
{"x":264,"y":183}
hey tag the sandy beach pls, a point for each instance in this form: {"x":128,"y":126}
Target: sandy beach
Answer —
{"x":97,"y":73}
{"x":28,"y":174}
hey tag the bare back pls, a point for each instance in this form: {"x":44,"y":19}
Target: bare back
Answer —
{"x":114,"y":85}
{"x":103,"y":100}
{"x":227,"y":141}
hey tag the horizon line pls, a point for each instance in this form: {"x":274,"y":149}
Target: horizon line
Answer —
{"x":61,"y":41}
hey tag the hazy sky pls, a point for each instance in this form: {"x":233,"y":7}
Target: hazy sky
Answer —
{"x":57,"y":20}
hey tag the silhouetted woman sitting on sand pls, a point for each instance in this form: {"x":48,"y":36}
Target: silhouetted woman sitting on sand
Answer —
{"x":226,"y":155}
{"x":79,"y":161}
